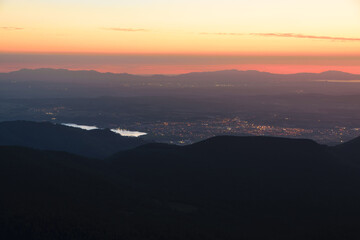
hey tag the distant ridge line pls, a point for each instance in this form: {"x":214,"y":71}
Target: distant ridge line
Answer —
{"x":181,"y":74}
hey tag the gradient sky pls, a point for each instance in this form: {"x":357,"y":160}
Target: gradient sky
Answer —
{"x":213,"y":28}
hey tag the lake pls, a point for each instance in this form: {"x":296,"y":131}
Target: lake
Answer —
{"x":122,"y":132}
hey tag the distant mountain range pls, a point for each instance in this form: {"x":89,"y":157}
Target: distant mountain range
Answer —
{"x":221,"y":188}
{"x":60,"y":83}
{"x":98,"y":143}
{"x":53,"y":75}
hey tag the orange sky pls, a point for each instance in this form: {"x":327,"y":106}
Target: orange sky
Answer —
{"x":210,"y":28}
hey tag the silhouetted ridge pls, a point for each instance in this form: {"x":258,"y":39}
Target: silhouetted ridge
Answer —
{"x":222,"y":188}
{"x":48,"y":136}
{"x":236,"y":142}
{"x":339,"y":74}
{"x":158,"y":146}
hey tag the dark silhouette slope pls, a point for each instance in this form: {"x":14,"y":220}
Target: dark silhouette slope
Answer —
{"x":55,"y":195}
{"x":220,"y":188}
{"x":254,"y":187}
{"x":48,"y":136}
{"x":349,"y":150}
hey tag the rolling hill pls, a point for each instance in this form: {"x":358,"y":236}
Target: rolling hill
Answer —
{"x":220,"y":188}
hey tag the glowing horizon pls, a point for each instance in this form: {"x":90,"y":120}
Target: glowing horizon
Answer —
{"x":178,"y":64}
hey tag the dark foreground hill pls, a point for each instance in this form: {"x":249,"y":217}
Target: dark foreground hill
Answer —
{"x":221,"y":188}
{"x":349,"y":151}
{"x":48,"y":136}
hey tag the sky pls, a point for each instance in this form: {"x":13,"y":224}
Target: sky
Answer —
{"x":198,"y":35}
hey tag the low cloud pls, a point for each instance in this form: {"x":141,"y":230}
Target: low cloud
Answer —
{"x":293,"y":35}
{"x":284,"y":35}
{"x":11,"y":28}
{"x":224,"y":34}
{"x":127,"y":29}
